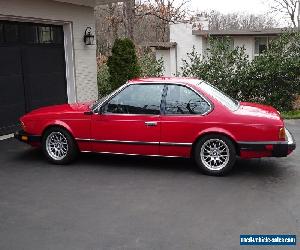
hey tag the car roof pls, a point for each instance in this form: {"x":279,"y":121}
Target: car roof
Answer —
{"x":183,"y":80}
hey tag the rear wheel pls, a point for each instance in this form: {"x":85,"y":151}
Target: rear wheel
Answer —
{"x":215,"y":154}
{"x":59,"y":146}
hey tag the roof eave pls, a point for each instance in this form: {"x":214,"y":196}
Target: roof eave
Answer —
{"x":271,"y":32}
{"x":89,"y":3}
{"x":160,"y":45}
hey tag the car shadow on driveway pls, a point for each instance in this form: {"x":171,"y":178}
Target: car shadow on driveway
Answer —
{"x":254,"y":167}
{"x":28,"y":156}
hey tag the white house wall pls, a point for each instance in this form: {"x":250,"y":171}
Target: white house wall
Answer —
{"x":77,"y":18}
{"x":182,"y":34}
{"x":247,"y":42}
{"x":165,"y":56}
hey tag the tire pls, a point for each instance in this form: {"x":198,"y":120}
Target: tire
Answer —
{"x":59,"y":146}
{"x":215,"y":154}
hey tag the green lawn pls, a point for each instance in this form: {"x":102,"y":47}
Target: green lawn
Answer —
{"x":295,"y":114}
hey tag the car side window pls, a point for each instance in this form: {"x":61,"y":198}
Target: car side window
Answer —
{"x":184,"y":101}
{"x":136,"y":99}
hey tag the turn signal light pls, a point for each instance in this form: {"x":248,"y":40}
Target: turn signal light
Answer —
{"x":24,"y":138}
{"x":282,"y":133}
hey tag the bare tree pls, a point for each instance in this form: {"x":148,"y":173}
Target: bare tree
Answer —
{"x":114,"y":19}
{"x":141,"y":20}
{"x":290,"y":8}
{"x":233,"y":21}
{"x":129,"y":14}
{"x":165,"y":11}
{"x":109,"y":25}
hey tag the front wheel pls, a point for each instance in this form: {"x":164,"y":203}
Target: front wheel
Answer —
{"x":215,"y":154}
{"x":59,"y":146}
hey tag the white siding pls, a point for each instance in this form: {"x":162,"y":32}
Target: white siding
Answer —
{"x":181,"y":33}
{"x":173,"y":61}
{"x":165,"y":55}
{"x":247,"y":42}
{"x":79,"y":17}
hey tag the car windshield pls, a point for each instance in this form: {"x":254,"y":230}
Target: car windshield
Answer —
{"x":219,"y":95}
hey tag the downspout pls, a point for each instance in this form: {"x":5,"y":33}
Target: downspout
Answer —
{"x":176,"y":63}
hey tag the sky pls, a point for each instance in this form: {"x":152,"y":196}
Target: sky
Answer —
{"x":227,"y":6}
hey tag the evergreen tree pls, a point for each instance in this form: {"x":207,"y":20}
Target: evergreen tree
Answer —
{"x":123,"y":63}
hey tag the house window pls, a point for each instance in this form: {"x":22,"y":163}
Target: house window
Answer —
{"x":30,"y":33}
{"x":45,"y":34}
{"x":50,"y":34}
{"x":261,"y":45}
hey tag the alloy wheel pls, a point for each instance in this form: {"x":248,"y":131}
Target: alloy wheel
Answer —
{"x":57,"y":146}
{"x":214,"y":154}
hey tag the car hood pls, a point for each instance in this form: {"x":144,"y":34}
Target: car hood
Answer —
{"x":258,"y":110}
{"x":63,"y":108}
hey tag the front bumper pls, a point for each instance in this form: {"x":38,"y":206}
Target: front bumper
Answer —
{"x":27,"y":138}
{"x":269,"y":148}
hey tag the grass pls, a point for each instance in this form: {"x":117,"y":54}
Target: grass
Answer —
{"x":295,"y":114}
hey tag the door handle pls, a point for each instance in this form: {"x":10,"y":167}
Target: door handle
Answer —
{"x":151,"y":124}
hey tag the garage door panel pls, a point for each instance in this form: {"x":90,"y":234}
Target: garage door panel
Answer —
{"x":11,"y":90}
{"x":46,"y":85}
{"x":32,"y":69}
{"x":39,"y":60}
{"x":10,"y":114}
{"x":38,"y":103}
{"x":44,"y":89}
{"x":10,"y":61}
{"x":12,"y":100}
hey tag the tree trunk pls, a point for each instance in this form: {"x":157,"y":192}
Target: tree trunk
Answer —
{"x":129,"y":12}
{"x":114,"y":24}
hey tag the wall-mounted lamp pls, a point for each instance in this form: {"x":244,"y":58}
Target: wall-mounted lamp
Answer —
{"x":88,"y":37}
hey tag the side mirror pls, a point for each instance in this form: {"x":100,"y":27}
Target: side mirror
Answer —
{"x":88,"y":112}
{"x":100,"y":111}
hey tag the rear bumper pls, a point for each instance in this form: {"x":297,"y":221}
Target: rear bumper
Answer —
{"x":27,"y":138}
{"x":268,"y":148}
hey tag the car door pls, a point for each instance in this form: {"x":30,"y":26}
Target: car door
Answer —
{"x":183,"y":119}
{"x":129,"y":122}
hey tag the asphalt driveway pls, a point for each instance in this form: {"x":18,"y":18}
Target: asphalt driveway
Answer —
{"x":114,"y":202}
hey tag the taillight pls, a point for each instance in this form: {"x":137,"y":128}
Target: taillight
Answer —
{"x":281,"y":133}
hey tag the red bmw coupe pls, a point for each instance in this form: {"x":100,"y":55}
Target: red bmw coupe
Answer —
{"x":171,"y":117}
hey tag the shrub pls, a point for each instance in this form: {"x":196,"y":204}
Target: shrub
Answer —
{"x":123,"y":63}
{"x":221,"y":65}
{"x":104,"y":86}
{"x":150,"y":66}
{"x":272,"y":78}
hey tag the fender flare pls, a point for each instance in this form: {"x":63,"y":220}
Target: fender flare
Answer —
{"x":218,"y":131}
{"x":215,"y":130}
{"x":58,"y":123}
